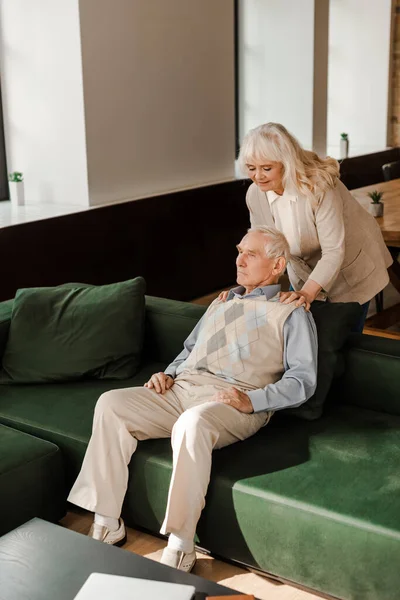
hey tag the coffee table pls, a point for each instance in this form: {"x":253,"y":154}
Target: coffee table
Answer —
{"x":42,"y":561}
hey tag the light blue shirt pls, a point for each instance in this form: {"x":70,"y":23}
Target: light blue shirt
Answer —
{"x":299,"y":379}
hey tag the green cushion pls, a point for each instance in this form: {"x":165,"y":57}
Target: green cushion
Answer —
{"x":62,"y":412}
{"x":31,"y":479}
{"x":168,"y":324}
{"x":372,"y":375}
{"x":5,"y":319}
{"x":74,"y":331}
{"x":334,"y":321}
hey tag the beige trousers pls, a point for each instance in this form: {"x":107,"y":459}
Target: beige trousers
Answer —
{"x":185,"y":413}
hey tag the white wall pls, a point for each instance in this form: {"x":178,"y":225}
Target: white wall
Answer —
{"x":43,"y":99}
{"x":276,"y":68}
{"x":159,"y":95}
{"x":358,"y":84}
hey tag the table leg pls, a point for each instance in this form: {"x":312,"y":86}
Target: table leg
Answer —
{"x":394,"y":269}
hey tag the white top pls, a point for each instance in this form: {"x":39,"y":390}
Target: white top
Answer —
{"x":284,"y":212}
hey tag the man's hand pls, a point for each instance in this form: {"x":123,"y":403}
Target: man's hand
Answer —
{"x":160,"y":382}
{"x":235,"y":398}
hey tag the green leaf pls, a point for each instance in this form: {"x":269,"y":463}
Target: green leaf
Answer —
{"x":375,"y":196}
{"x":15,"y":176}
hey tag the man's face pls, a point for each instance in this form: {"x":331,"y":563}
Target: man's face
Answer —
{"x":254,"y":268}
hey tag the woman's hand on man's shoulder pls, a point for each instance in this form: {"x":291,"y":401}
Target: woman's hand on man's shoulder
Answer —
{"x":300,"y":298}
{"x":223,"y":296}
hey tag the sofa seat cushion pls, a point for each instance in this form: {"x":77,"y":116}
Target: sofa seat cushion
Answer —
{"x":317,"y":503}
{"x":313,"y":502}
{"x":62,"y":413}
{"x":31,"y":479}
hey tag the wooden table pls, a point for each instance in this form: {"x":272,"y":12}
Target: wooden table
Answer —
{"x":390,"y":227}
{"x":390,"y":222}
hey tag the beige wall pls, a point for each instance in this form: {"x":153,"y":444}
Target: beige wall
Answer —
{"x":159,"y":95}
{"x":111,"y":100}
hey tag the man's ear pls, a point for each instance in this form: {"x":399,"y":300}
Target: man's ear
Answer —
{"x":280,"y":265}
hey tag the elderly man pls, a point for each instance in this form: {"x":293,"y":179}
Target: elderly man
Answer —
{"x":246,"y":358}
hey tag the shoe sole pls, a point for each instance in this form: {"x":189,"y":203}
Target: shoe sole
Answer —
{"x":120,"y":542}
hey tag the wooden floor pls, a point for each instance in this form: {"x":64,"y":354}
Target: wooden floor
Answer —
{"x":206,"y":566}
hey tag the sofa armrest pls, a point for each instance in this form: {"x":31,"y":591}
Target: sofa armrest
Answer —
{"x":168,"y":323}
{"x":371,"y":377}
{"x":5,"y":320}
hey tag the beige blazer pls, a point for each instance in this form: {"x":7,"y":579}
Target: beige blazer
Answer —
{"x":341,"y":245}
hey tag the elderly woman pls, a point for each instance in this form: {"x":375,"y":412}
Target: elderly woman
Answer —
{"x":337,"y":247}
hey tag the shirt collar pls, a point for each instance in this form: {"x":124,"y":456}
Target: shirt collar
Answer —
{"x":269,"y":291}
{"x":272,"y":196}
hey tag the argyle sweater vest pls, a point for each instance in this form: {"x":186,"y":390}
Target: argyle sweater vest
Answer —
{"x":240,"y":342}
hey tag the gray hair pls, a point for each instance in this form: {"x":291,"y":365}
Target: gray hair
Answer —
{"x":304,"y":173}
{"x":276,"y":244}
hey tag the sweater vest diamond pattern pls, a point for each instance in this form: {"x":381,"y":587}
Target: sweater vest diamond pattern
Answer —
{"x":241,"y":342}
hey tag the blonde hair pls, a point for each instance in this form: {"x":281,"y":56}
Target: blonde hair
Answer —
{"x":303,"y":171}
{"x":276,"y":244}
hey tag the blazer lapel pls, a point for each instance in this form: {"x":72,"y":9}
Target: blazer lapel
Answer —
{"x":306,"y":225}
{"x":265,"y":208}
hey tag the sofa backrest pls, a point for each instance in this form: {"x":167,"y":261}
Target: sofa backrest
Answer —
{"x":168,"y":324}
{"x":371,"y":377}
{"x":5,"y":320}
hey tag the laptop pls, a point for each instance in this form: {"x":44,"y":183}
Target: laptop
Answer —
{"x":101,"y":586}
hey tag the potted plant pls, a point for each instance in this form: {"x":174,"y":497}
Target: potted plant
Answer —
{"x":16,"y":187}
{"x":376,"y":206}
{"x":344,"y":145}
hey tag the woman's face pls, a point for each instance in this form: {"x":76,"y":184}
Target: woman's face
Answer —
{"x":267,"y":175}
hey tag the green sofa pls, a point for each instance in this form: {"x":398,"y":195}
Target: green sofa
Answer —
{"x":31,"y":479}
{"x":313,"y":502}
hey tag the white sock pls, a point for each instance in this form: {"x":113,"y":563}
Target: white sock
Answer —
{"x":110,"y":522}
{"x":178,"y":543}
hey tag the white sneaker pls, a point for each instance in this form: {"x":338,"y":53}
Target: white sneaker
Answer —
{"x":103,"y":534}
{"x":178,"y":559}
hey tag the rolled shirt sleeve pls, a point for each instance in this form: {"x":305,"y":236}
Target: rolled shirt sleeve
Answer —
{"x":331,"y":234}
{"x":299,"y":380}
